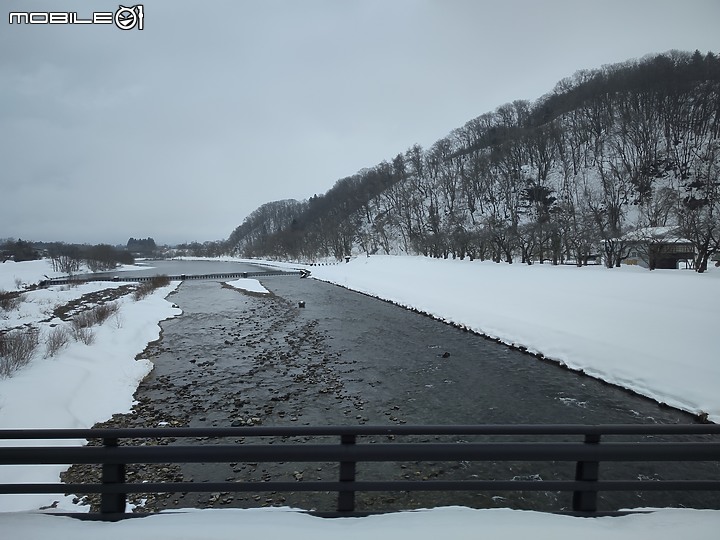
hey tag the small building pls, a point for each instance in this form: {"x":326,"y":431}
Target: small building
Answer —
{"x":658,"y":247}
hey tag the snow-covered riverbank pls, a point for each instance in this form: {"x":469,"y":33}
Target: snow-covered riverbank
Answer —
{"x":81,"y":383}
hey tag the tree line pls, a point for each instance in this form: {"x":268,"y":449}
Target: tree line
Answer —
{"x":69,"y":258}
{"x":66,"y":258}
{"x":627,"y":147}
{"x":142,"y":246}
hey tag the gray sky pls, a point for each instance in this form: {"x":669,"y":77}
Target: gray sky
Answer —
{"x":180,"y":130}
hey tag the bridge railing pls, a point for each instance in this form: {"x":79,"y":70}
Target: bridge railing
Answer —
{"x":350,"y":449}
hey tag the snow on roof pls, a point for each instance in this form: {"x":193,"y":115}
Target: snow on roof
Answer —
{"x":656,"y":234}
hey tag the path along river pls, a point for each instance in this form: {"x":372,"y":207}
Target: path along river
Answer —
{"x":234,"y":358}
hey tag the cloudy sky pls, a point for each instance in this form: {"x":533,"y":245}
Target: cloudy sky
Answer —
{"x":180,"y":130}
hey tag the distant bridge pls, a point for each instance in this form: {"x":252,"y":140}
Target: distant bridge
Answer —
{"x":182,"y":277}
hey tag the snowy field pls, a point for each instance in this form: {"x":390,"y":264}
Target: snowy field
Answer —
{"x":653,"y":332}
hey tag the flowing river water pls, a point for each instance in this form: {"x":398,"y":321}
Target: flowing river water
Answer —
{"x":234,"y":358}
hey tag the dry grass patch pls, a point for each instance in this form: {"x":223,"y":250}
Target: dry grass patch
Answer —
{"x":146,"y":287}
{"x":82,"y":323}
{"x":10,"y":301}
{"x":17,"y":349}
{"x":56,"y":340}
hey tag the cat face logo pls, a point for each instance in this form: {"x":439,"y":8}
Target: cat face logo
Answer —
{"x":127,"y":18}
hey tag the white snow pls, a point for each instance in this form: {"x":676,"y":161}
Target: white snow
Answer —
{"x":654,"y":332}
{"x":16,"y":276}
{"x":454,"y":523}
{"x":250,"y":285}
{"x":38,"y":305}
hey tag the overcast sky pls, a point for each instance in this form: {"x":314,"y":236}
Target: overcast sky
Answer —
{"x":180,"y":130}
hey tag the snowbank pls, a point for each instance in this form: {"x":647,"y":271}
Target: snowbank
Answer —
{"x":249,"y":285}
{"x":451,"y":522}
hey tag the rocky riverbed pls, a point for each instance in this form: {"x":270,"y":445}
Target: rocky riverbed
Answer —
{"x":261,"y":361}
{"x":264,"y":365}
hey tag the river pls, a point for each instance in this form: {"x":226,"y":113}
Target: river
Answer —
{"x":235,"y":358}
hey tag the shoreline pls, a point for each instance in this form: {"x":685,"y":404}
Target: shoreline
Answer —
{"x":701,"y":418}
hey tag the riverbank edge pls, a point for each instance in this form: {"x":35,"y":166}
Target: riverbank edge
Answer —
{"x":699,"y":418}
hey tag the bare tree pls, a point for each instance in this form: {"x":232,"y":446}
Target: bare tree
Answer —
{"x":699,"y":211}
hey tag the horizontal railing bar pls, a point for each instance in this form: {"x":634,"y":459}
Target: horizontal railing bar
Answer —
{"x":495,"y":451}
{"x":114,"y":457}
{"x":397,"y":485}
{"x":290,"y":431}
{"x":94,"y":516}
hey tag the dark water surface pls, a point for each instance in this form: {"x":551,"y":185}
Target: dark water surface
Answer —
{"x":239,"y":359}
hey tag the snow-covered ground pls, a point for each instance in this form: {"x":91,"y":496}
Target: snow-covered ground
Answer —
{"x":81,"y":384}
{"x":453,"y":523}
{"x":16,"y":276}
{"x":653,"y":332}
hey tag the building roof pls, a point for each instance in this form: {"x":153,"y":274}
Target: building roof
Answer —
{"x":665,"y":235}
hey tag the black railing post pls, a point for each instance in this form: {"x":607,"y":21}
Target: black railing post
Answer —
{"x":112,"y":473}
{"x":586,"y":471}
{"x":346,"y":499}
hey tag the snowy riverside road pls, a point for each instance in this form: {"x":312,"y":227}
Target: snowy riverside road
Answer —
{"x":238,"y":358}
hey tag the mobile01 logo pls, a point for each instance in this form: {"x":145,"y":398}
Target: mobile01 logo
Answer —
{"x":125,"y":18}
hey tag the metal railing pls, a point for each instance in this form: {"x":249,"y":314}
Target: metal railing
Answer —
{"x":587,"y":452}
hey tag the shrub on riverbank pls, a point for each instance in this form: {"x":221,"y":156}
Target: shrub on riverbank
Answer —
{"x":16,"y":350}
{"x":9,"y":301}
{"x":147,"y":287}
{"x":83,"y":322}
{"x":55,"y":340}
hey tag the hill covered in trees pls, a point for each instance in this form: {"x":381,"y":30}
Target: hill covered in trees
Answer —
{"x":623,"y":148}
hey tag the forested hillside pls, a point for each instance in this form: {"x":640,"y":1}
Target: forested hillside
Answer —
{"x":606,"y":152}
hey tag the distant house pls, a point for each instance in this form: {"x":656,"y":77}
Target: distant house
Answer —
{"x":658,"y":247}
